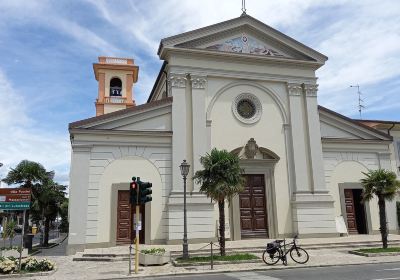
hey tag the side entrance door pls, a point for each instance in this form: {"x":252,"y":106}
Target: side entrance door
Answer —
{"x":125,"y":215}
{"x":253,"y":214}
{"x":355,"y":212}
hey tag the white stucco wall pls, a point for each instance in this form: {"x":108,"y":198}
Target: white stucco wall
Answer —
{"x":229,"y":133}
{"x":121,"y":171}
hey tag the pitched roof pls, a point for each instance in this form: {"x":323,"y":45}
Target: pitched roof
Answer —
{"x":133,"y":109}
{"x":355,"y":122}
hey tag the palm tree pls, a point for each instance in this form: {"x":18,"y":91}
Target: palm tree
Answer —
{"x":27,"y":174}
{"x":384,"y":185}
{"x":220,"y":179}
{"x":47,"y":205}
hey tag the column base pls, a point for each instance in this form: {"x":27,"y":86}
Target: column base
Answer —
{"x":200,"y":218}
{"x":313,"y":214}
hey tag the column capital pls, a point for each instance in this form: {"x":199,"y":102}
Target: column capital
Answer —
{"x":294,"y":89}
{"x":177,"y":80}
{"x":310,"y":90}
{"x":199,"y":81}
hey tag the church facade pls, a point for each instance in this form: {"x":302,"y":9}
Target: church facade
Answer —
{"x":238,"y":85}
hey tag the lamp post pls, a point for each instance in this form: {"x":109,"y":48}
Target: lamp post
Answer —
{"x":184,"y":171}
{"x":0,"y":177}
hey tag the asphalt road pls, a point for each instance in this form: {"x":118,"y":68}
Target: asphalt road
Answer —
{"x":386,"y":271}
{"x":17,"y":239}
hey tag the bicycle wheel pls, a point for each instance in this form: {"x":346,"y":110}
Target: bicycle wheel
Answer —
{"x":299,"y":255}
{"x":271,"y":259}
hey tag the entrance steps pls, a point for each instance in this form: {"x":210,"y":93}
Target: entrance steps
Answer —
{"x":123,"y":254}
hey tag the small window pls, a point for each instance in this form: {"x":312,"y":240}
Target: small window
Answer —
{"x":115,"y":87}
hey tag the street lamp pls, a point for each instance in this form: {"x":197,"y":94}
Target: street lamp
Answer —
{"x":184,"y":171}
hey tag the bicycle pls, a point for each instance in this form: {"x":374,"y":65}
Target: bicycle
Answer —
{"x":275,"y":252}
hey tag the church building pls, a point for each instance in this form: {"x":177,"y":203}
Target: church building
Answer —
{"x":238,"y":85}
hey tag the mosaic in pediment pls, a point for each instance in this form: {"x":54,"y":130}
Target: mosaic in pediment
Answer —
{"x":245,"y":44}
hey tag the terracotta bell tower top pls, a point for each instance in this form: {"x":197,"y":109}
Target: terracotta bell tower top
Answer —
{"x":116,"y":77}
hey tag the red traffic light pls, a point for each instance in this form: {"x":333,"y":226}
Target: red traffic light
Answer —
{"x":133,"y":185}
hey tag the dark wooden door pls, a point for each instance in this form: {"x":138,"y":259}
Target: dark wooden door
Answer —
{"x":253,"y":214}
{"x":124,"y":220}
{"x":125,"y":215}
{"x":350,"y":211}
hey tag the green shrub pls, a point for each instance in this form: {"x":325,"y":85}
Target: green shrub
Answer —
{"x":10,"y":265}
{"x":153,"y":251}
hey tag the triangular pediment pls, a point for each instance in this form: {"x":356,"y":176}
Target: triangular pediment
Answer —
{"x":154,"y":116}
{"x":335,"y":126}
{"x":243,"y":35}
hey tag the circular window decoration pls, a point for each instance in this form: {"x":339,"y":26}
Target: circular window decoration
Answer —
{"x":247,"y":108}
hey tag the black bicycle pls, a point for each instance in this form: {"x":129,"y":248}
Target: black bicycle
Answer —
{"x":277,"y":251}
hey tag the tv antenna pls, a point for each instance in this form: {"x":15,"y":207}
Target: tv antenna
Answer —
{"x":243,"y":7}
{"x":360,"y":100}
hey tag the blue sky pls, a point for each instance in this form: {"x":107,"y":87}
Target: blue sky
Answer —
{"x":47,"y":49}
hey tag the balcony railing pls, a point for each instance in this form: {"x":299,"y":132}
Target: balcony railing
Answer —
{"x":115,"y":99}
{"x":115,"y":60}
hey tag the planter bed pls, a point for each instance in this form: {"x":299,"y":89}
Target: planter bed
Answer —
{"x":228,"y":259}
{"x":27,"y":274}
{"x":149,"y":259}
{"x":373,"y":252}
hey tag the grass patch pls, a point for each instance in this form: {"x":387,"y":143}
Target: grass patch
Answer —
{"x":380,"y":250}
{"x":227,"y":258}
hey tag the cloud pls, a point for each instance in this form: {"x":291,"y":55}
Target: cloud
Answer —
{"x":22,"y":138}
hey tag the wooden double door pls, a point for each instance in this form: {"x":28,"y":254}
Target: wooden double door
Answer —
{"x":355,"y":212}
{"x":253,"y":213}
{"x":125,"y":217}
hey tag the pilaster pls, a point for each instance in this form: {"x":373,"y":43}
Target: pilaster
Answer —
{"x":199,"y":87}
{"x":177,"y":88}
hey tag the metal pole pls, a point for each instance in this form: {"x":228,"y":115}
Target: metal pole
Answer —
{"x":185,"y":241}
{"x":130,"y":258}
{"x":212,"y":261}
{"x":137,"y":240}
{"x":22,"y":241}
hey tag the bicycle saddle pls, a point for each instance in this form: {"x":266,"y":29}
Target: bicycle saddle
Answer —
{"x":279,"y":240}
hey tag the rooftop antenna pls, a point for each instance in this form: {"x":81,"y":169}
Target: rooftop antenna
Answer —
{"x":360,"y":100}
{"x":243,"y":7}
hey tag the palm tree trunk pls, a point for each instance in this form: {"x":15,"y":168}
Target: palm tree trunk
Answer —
{"x":221,"y":208}
{"x":46,"y":232}
{"x":382,"y":221}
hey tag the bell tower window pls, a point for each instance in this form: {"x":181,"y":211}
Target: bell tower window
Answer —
{"x":115,"y":87}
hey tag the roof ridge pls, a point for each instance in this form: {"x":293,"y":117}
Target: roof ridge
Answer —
{"x":121,"y":112}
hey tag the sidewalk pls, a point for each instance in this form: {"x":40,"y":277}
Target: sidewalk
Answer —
{"x":68,"y":269}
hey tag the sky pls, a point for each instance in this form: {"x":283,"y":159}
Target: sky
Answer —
{"x":47,"y":49}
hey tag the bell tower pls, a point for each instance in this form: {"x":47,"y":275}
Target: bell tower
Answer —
{"x":116,"y":77}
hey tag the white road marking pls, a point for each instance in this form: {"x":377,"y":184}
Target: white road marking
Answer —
{"x":389,"y":269}
{"x":387,"y":278}
{"x":250,"y":275}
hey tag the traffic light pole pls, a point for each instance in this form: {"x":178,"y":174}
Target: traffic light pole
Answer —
{"x":137,"y":240}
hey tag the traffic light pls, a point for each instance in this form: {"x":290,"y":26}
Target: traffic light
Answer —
{"x":133,"y":192}
{"x":145,"y":192}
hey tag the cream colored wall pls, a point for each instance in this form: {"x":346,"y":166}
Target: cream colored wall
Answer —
{"x":351,"y":172}
{"x":121,"y":171}
{"x":229,"y":133}
{"x":109,"y":74}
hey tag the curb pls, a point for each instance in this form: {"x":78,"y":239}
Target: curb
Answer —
{"x":161,"y":276}
{"x":30,"y":274}
{"x":177,"y":264}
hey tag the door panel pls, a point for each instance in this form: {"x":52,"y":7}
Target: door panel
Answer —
{"x":350,"y":211}
{"x":253,"y":216}
{"x":123,"y":217}
{"x":125,"y":214}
